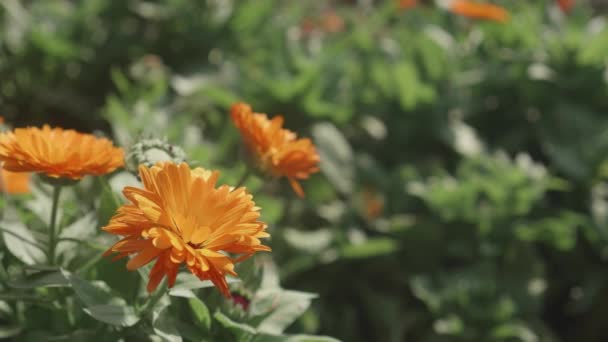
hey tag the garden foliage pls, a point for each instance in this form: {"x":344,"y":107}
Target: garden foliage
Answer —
{"x":461,"y":195}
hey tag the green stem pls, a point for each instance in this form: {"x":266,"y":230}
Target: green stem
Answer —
{"x":83,"y":242}
{"x":90,"y":263}
{"x":52,"y":233}
{"x":3,"y":196}
{"x":154,"y":298}
{"x":243,"y":178}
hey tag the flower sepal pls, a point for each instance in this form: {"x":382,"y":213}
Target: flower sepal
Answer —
{"x":57,"y":181}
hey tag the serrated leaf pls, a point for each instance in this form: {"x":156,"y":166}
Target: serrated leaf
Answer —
{"x":20,"y":241}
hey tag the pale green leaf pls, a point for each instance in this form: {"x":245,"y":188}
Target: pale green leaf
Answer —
{"x":20,"y":241}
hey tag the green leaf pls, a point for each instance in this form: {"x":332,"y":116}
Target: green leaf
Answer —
{"x":186,"y":282}
{"x":164,"y":325}
{"x":517,"y":330}
{"x":406,"y":78}
{"x":337,"y":158}
{"x":293,"y":338}
{"x":559,"y":231}
{"x":191,"y":332}
{"x":279,"y":308}
{"x":20,"y":241}
{"x":370,"y":248}
{"x":242,"y":331}
{"x":201,"y":313}
{"x":83,"y":229}
{"x":10,"y":331}
{"x":41,"y":204}
{"x":93,"y":293}
{"x":113,"y":314}
{"x":50,"y":278}
{"x":309,"y":241}
{"x":273,"y":207}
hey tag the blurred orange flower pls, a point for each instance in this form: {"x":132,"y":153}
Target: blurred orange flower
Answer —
{"x":14,"y":182}
{"x":276,"y":150}
{"x":406,"y":4}
{"x":331,"y":22}
{"x":58,"y":153}
{"x":565,"y":5}
{"x":479,"y":10}
{"x":373,"y":202}
{"x":181,"y":217}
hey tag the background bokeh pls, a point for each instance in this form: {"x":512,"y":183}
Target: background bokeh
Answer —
{"x":462,"y":195}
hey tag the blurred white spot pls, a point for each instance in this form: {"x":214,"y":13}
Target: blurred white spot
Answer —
{"x":374,"y":127}
{"x":356,"y":236}
{"x":540,"y":71}
{"x":466,"y":141}
{"x":537,"y":286}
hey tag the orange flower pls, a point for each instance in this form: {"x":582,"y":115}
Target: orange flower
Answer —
{"x":58,"y":153}
{"x":407,"y":4}
{"x":277,"y":150}
{"x":181,"y":217}
{"x":565,"y":5}
{"x":332,"y":22}
{"x":479,"y":11}
{"x":14,"y":182}
{"x":373,"y":203}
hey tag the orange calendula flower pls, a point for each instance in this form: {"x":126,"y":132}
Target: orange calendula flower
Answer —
{"x":58,"y":153}
{"x":277,"y":151}
{"x":14,"y":182}
{"x":407,"y":4}
{"x":477,"y":10}
{"x":181,"y":217}
{"x":565,"y":5}
{"x":373,"y":203}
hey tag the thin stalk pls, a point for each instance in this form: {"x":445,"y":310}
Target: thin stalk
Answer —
{"x":244,"y":178}
{"x":94,"y":260}
{"x":83,"y":242}
{"x":154,"y":298}
{"x":52,"y":233}
{"x":3,"y":196}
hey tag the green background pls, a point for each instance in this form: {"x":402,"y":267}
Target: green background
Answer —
{"x":462,"y":195}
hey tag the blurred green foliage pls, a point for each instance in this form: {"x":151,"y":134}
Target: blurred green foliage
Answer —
{"x":462,"y":194}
